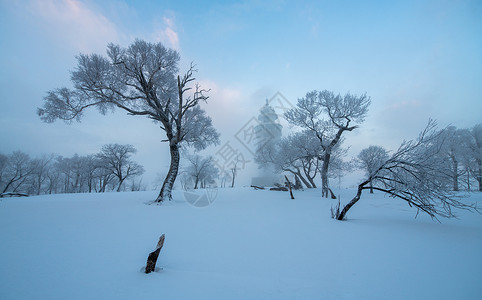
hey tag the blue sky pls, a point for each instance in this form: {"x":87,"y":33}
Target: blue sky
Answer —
{"x":416,"y":59}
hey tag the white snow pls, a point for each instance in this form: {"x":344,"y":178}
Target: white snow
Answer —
{"x":246,"y":245}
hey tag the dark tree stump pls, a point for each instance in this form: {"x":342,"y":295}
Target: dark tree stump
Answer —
{"x":152,"y":258}
{"x":257,"y":187}
{"x":280,"y":188}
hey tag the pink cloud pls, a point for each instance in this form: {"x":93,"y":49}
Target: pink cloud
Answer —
{"x":167,"y":34}
{"x":74,"y":22}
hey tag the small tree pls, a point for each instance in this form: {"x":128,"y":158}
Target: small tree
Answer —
{"x":201,"y":170}
{"x":328,"y":116}
{"x":413,"y":174}
{"x":115,"y":159}
{"x":234,"y":168}
{"x":370,"y":160}
{"x":141,"y":80}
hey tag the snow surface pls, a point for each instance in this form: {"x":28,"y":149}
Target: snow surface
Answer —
{"x":247,"y":245}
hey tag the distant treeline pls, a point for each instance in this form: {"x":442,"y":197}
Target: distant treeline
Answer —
{"x":110,"y":169}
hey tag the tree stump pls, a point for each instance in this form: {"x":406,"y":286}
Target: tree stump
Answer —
{"x":152,"y":258}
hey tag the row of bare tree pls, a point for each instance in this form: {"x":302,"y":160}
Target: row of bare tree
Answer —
{"x":424,"y":172}
{"x":459,"y":156}
{"x":143,"y":80}
{"x":107,"y":170}
{"x":317,"y":149}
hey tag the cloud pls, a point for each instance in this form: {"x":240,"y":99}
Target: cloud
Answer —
{"x":74,"y":22}
{"x":167,"y":34}
{"x":404,"y":105}
{"x":225,"y":102}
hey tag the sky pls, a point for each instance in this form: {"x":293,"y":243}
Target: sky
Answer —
{"x":416,"y":60}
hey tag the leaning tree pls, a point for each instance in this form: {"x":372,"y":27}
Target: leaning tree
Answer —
{"x":328,"y":116}
{"x":142,"y":80}
{"x":416,"y":174}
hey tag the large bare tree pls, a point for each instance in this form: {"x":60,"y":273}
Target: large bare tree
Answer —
{"x":328,"y":116}
{"x":415,"y":173}
{"x":142,"y":80}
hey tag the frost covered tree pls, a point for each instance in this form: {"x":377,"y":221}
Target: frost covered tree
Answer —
{"x":3,"y":169}
{"x":16,"y":172}
{"x":415,"y":174}
{"x":141,"y":80}
{"x":301,"y":155}
{"x":297,"y":154}
{"x":473,"y":144}
{"x":201,"y":170}
{"x":370,"y":159}
{"x":452,"y":151}
{"x":328,"y":116}
{"x":116,"y":160}
{"x":40,"y":175}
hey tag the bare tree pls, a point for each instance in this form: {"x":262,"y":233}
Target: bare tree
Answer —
{"x":117,"y":160}
{"x":201,"y":170}
{"x":16,"y":172}
{"x":53,"y":177}
{"x":234,"y":168}
{"x":298,"y":154}
{"x":474,"y":147}
{"x":328,"y":116}
{"x":413,"y":174}
{"x":370,"y":160}
{"x":452,"y":151}
{"x":141,"y":80}
{"x":3,"y":169}
{"x":40,"y":174}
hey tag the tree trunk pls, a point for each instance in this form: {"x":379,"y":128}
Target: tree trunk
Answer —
{"x":305,"y":182}
{"x":326,"y":160}
{"x":289,"y":186}
{"x":166,"y":190}
{"x":298,"y":185}
{"x":234,"y":176}
{"x":120,"y":185}
{"x":325,"y":189}
{"x":468,"y":180}
{"x":345,"y":209}
{"x":371,"y":187}
{"x":307,"y":173}
{"x":455,"y":167}
{"x":324,"y":176}
{"x":312,"y":182}
{"x":479,"y":177}
{"x":196,"y":182}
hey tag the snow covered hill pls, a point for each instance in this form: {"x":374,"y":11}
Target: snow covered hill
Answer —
{"x":246,"y":245}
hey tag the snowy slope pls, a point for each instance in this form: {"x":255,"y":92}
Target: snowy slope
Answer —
{"x":246,"y":245}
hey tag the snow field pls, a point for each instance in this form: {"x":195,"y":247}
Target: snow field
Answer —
{"x":247,"y":245}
